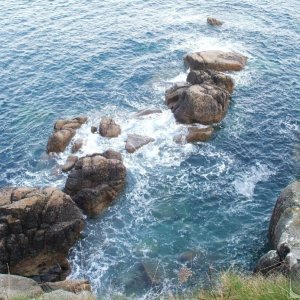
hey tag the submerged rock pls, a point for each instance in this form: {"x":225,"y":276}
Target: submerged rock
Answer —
{"x":70,"y":163}
{"x":147,"y":111}
{"x":135,"y":141}
{"x":205,"y":103}
{"x":95,"y":182}
{"x":152,"y":273}
{"x":211,"y":77}
{"x":109,"y":128}
{"x":37,"y":229}
{"x":64,"y":131}
{"x":214,"y":22}
{"x":215,"y":60}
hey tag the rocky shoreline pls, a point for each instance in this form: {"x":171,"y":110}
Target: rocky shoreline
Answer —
{"x":38,"y":226}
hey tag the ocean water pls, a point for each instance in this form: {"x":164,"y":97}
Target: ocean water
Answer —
{"x":64,"y":58}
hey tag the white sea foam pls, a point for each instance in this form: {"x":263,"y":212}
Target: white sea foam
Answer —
{"x":246,"y":182}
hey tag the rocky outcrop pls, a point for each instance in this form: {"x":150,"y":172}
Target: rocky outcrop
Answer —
{"x":70,"y":163}
{"x":284,"y":231}
{"x":135,"y":142}
{"x":109,"y":128}
{"x":205,"y":103}
{"x":37,"y":229}
{"x":111,"y":154}
{"x":70,"y":285}
{"x":213,"y":78}
{"x":17,"y":287}
{"x":215,"y":60}
{"x":95,"y":181}
{"x":64,"y":131}
{"x":214,"y":22}
{"x":147,"y":111}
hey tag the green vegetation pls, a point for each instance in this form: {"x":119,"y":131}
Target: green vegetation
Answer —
{"x":234,"y":286}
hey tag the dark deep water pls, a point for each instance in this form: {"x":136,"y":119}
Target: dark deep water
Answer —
{"x":64,"y":58}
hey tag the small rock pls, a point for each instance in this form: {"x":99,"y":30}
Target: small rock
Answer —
{"x":94,"y":129}
{"x":196,"y":134}
{"x":214,"y":22}
{"x":77,"y":146}
{"x":70,"y":163}
{"x":215,"y":60}
{"x":188,"y":256}
{"x":64,"y":131}
{"x":147,"y":111}
{"x":135,"y":141}
{"x":109,"y":128}
{"x":268,"y":262}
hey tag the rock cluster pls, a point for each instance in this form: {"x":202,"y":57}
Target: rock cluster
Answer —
{"x":284,"y":233}
{"x":64,"y":131}
{"x":205,"y":96}
{"x":95,"y":181}
{"x":37,"y":229}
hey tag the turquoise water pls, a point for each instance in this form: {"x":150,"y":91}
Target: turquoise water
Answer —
{"x":66,"y":58}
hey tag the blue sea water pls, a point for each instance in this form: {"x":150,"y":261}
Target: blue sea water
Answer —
{"x":64,"y":58}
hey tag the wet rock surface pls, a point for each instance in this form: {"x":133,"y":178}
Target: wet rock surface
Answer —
{"x":70,"y":163}
{"x":95,"y":181}
{"x":64,"y":131}
{"x":37,"y":229}
{"x":135,"y":142}
{"x":147,"y":112}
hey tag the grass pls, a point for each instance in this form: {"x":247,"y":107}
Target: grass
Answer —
{"x":235,"y":286}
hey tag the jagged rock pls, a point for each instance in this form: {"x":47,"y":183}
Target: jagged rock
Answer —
{"x":214,"y":22}
{"x":147,"y":111}
{"x":205,"y":103}
{"x":196,"y":134}
{"x":93,"y":129}
{"x":64,"y":131}
{"x":135,"y":141}
{"x":109,"y":128}
{"x":95,"y":182}
{"x":211,"y":77}
{"x":111,"y":154}
{"x":215,"y":60}
{"x":17,"y":287}
{"x":70,"y":163}
{"x":70,"y":285}
{"x":37,"y":229}
{"x":77,"y":145}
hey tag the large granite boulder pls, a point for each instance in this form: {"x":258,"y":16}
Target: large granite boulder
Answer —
{"x":211,"y":77}
{"x":284,"y":230}
{"x":64,"y":131}
{"x":37,"y":229}
{"x":215,"y":60}
{"x":205,"y":103}
{"x":109,"y":128}
{"x":95,"y":181}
